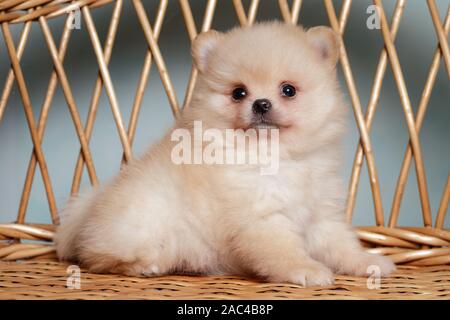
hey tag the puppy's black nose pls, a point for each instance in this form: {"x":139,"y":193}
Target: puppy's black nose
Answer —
{"x":261,"y":106}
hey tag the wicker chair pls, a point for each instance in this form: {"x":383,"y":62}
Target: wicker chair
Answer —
{"x":28,"y":266}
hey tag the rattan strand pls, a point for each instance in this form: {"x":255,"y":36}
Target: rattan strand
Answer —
{"x":18,"y":11}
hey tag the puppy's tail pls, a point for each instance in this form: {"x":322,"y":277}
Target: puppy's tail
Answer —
{"x":72,"y":220}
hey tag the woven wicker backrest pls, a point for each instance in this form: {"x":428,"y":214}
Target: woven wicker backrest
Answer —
{"x":427,"y":245}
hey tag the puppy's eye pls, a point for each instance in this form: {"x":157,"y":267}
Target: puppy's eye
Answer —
{"x":239,"y":93}
{"x":288,"y":90}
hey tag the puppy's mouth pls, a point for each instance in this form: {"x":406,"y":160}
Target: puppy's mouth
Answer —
{"x":263,"y":123}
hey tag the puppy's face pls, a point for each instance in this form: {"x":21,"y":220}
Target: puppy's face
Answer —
{"x":271,"y":75}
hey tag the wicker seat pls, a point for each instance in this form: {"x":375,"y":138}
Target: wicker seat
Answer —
{"x":46,"y":279}
{"x":29,"y":268}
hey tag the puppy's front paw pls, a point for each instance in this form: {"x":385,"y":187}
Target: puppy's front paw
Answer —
{"x":309,"y":275}
{"x":366,"y":263}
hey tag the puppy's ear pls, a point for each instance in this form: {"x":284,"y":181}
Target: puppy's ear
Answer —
{"x":326,"y":42}
{"x":202,"y":47}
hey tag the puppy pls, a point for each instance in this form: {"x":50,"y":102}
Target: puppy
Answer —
{"x":158,"y":217}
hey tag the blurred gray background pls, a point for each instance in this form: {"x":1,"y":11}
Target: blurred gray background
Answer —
{"x":416,"y":44}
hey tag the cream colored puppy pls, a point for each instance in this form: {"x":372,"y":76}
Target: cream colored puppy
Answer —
{"x":158,"y":217}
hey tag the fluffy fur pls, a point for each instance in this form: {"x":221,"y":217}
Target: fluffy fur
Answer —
{"x":157,"y":217}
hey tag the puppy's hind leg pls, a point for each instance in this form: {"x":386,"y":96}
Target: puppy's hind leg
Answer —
{"x":146,"y":249}
{"x":103,"y":263}
{"x":273,"y":249}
